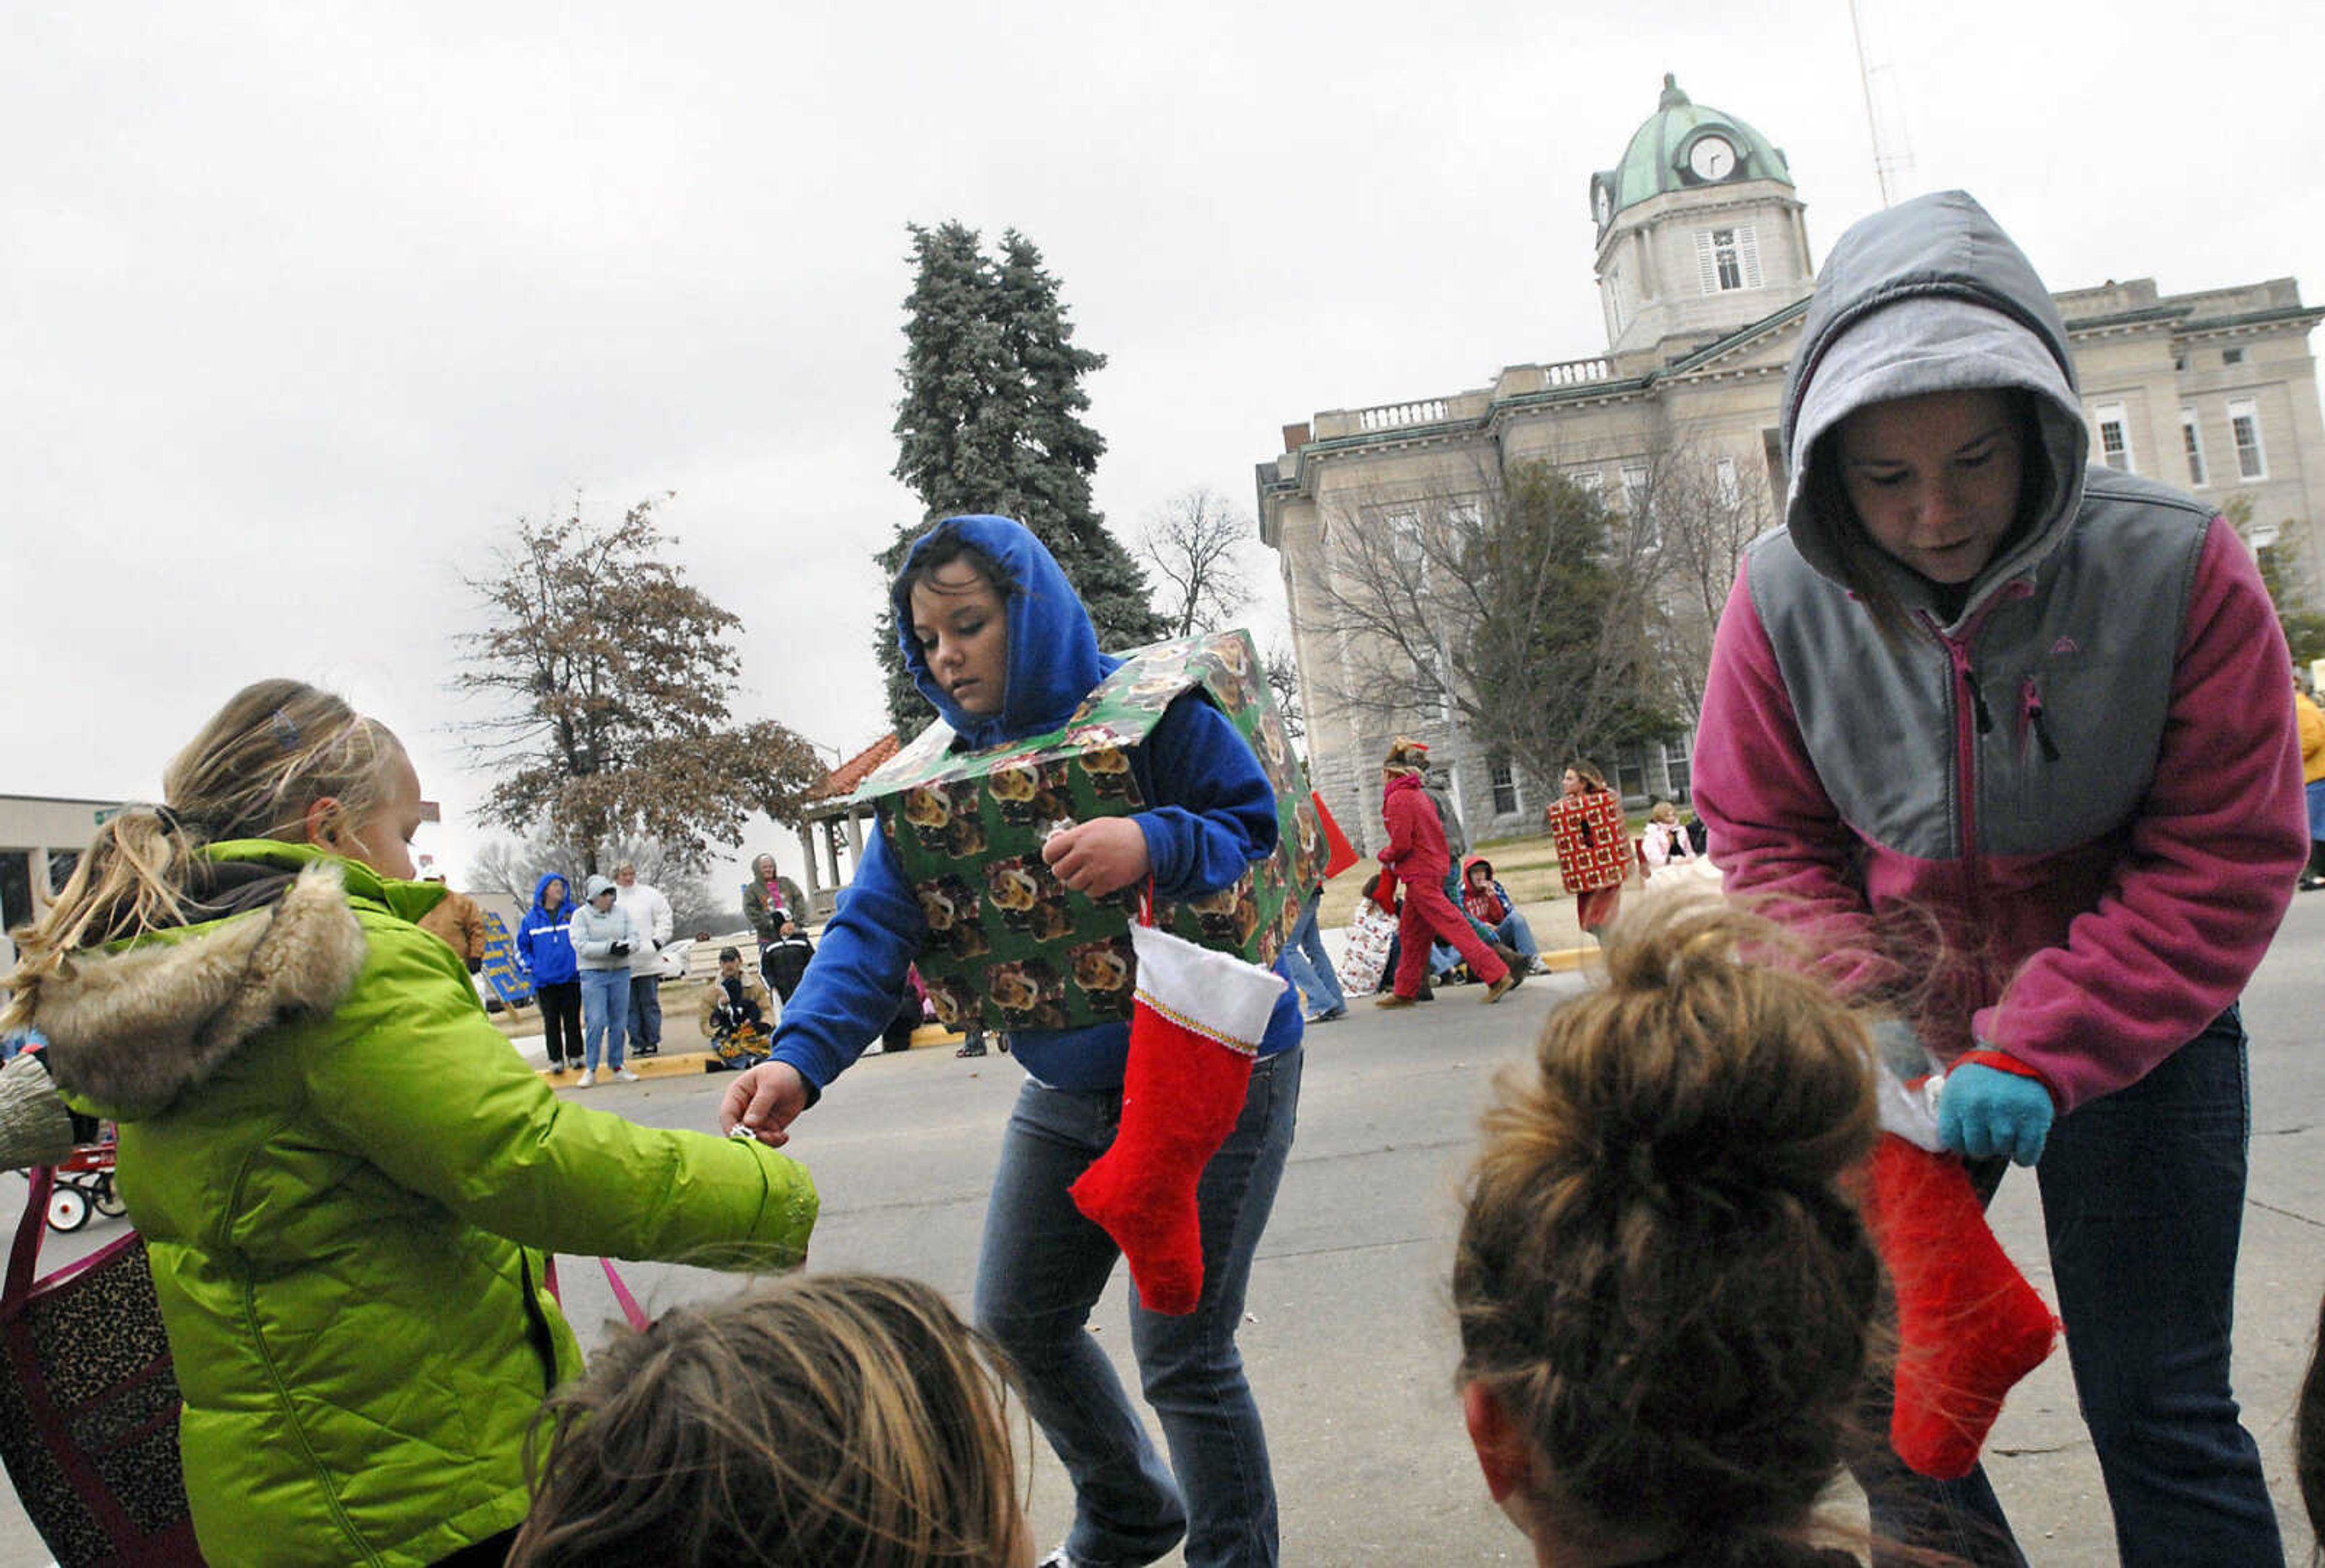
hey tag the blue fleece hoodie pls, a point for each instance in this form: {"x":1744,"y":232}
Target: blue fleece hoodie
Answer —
{"x":544,"y":940}
{"x":1215,"y":815}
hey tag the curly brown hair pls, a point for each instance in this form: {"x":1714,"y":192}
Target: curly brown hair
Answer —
{"x":826,"y":1419}
{"x":1663,"y":1277}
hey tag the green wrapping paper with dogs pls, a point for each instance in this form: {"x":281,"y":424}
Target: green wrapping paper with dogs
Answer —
{"x":1010,"y":946}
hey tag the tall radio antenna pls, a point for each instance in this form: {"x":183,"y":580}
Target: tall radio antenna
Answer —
{"x":1884,"y":161}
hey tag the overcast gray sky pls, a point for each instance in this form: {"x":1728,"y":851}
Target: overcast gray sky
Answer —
{"x":307,"y":303}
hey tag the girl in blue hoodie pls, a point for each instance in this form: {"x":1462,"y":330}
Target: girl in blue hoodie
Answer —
{"x":545,"y":950}
{"x":995,"y":637}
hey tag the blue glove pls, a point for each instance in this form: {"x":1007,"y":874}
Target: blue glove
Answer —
{"x":1986,"y":1111}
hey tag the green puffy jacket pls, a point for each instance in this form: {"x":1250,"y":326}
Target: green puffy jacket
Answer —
{"x":346,"y":1180}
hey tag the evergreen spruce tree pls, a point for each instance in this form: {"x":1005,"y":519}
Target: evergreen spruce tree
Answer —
{"x":991,"y":421}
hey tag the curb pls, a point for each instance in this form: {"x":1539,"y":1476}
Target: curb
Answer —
{"x":677,"y":1064}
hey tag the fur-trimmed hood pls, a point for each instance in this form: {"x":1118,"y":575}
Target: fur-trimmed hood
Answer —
{"x":130,"y":1031}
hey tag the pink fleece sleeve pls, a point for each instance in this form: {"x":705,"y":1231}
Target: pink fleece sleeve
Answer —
{"x":1775,"y":834}
{"x":2211,"y":865}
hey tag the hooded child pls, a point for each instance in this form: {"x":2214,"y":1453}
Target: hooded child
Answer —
{"x":2010,"y":738}
{"x":995,"y":637}
{"x":544,"y":951}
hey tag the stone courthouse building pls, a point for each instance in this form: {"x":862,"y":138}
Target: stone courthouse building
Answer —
{"x":1704,"y":268}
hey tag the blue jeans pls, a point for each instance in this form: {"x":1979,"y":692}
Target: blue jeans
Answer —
{"x":1310,"y":966}
{"x":2143,"y":1205}
{"x":1042,"y":1266}
{"x":1514,"y":932}
{"x":645,"y":1011}
{"x":605,"y":1011}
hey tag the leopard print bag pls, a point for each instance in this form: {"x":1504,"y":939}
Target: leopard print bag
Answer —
{"x":89,"y":1404}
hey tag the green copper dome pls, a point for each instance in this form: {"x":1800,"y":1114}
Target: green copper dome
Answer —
{"x":1684,"y":146}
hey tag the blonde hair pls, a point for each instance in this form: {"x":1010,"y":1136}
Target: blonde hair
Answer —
{"x":1662,"y":1277}
{"x":273,"y":750}
{"x":837,"y":1418}
{"x":1405,"y":754}
{"x":1588,"y":773}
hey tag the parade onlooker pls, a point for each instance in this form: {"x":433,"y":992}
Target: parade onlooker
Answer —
{"x":1594,"y":844}
{"x":604,"y":939}
{"x":1369,"y":958}
{"x":2011,"y":736}
{"x":2309,"y":1437}
{"x":344,"y":1178}
{"x":995,"y":639}
{"x":1663,"y":842}
{"x":1488,"y":904}
{"x":544,"y":951}
{"x":766,"y":905}
{"x":1417,"y":858}
{"x":1667,"y":1296}
{"x":733,"y":1000}
{"x":2312,"y":779}
{"x":457,"y":922}
{"x":785,"y":960}
{"x":649,"y":911}
{"x":1305,"y":958}
{"x":831,"y":1418}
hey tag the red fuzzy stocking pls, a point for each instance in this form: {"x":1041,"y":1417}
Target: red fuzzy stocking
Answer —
{"x":1969,"y":1325}
{"x":1198,"y":1020}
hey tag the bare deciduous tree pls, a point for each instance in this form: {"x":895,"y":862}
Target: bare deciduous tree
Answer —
{"x":608,"y":677}
{"x":1707,"y":504}
{"x":1195,"y":544}
{"x":1516,"y":607}
{"x":1283,"y":673}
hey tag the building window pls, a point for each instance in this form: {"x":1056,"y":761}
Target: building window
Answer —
{"x":1677,"y":765}
{"x":61,"y":868}
{"x":15,"y":887}
{"x":1638,"y":504}
{"x":1723,"y":478}
{"x":2244,"y":423}
{"x":2232,"y":356}
{"x":1727,"y":259}
{"x":2193,"y":438}
{"x":2179,"y":362}
{"x":2114,"y":437}
{"x":1506,"y":785}
{"x":1590,"y":482}
{"x":1405,"y":536}
{"x":1631,"y":774}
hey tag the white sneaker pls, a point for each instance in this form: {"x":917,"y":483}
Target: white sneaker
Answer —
{"x":625,"y":1075}
{"x":588,"y":1079}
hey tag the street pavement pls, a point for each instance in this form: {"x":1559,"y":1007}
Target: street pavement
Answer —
{"x":1350,"y":1338}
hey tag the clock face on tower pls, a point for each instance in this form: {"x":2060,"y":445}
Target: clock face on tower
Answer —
{"x":1712,"y":158}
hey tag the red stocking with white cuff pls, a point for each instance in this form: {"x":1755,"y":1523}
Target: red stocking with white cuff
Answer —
{"x":1969,"y":1325}
{"x":1199,"y":1016}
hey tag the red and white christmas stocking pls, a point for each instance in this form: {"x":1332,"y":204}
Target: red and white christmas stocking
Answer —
{"x":1969,"y":1325}
{"x":1199,"y":1015}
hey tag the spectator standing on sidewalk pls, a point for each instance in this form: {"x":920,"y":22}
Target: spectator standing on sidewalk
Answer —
{"x":458,"y":923}
{"x":2312,"y":777}
{"x":648,"y":911}
{"x":544,"y":951}
{"x":604,"y":938}
{"x":1304,"y":957}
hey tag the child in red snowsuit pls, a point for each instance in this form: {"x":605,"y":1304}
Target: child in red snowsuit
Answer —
{"x":1417,"y":855}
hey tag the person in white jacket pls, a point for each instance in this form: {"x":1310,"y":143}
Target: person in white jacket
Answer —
{"x":605,"y":939}
{"x":649,"y":911}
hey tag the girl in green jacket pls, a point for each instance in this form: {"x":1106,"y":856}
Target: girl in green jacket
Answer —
{"x":345,"y":1178}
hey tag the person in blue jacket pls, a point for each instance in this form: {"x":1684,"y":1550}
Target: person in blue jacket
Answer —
{"x":995,"y":637}
{"x":545,"y":950}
